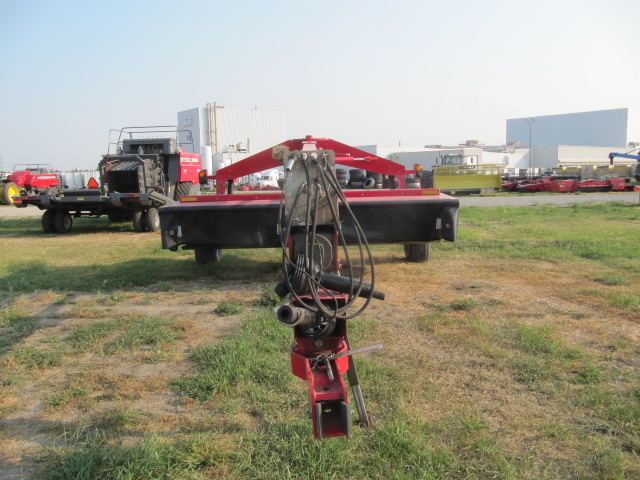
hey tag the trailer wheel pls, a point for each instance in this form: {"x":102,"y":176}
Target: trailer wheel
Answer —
{"x":417,"y":252}
{"x":138,"y":220}
{"x":206,"y":255}
{"x":63,"y":221}
{"x":49,"y":221}
{"x":10,"y":189}
{"x":152,"y":220}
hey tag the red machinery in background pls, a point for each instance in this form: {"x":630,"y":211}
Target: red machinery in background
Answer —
{"x":30,"y":179}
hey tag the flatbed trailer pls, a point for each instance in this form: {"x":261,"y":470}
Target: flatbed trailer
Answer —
{"x":143,"y":175}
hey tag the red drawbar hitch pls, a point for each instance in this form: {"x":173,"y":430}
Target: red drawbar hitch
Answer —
{"x":328,"y":397}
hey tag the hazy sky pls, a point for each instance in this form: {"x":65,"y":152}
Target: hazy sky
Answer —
{"x":361,"y":72}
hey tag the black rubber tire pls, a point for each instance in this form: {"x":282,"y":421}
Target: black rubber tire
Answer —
{"x":412,"y":185}
{"x":152,"y":220}
{"x":356,"y":171}
{"x":427,"y":179}
{"x":139,"y":220}
{"x":417,"y":252}
{"x":206,"y":255}
{"x":182,"y":189}
{"x":63,"y":221}
{"x":356,"y":184}
{"x":369,"y":183}
{"x":49,"y":221}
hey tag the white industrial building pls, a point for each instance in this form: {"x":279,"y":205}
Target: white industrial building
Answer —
{"x":601,"y":128}
{"x":226,"y":135}
{"x":584,"y":138}
{"x":510,"y":158}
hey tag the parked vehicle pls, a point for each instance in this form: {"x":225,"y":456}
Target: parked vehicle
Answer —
{"x":30,"y":179}
{"x":142,"y":175}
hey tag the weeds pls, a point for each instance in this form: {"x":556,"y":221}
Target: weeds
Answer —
{"x":226,"y":309}
{"x":32,"y":358}
{"x":147,"y":459}
{"x":613,"y":279}
{"x":119,"y":418}
{"x":268,"y":297}
{"x":141,"y":330}
{"x":249,"y":357}
{"x":15,"y":324}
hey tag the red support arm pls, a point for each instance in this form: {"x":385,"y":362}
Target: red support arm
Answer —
{"x":345,"y":155}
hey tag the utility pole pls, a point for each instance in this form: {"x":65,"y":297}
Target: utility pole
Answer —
{"x":530,"y":122}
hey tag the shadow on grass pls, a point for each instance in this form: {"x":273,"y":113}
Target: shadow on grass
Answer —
{"x":140,"y":272}
{"x":31,"y":227}
{"x":53,"y":438}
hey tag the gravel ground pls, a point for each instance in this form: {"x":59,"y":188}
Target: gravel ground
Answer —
{"x":559,"y":199}
{"x":7,"y":211}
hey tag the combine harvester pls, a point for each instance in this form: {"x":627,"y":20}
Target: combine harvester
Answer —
{"x":312,"y":220}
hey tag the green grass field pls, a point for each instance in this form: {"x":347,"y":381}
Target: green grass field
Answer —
{"x":512,"y":354}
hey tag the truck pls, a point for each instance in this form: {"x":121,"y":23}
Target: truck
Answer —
{"x":144,"y":173}
{"x":30,"y":179}
{"x":207,"y":224}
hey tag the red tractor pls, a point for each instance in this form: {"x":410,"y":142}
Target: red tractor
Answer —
{"x":30,"y":179}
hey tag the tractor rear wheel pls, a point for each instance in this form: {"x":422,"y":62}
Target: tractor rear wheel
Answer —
{"x":49,"y":221}
{"x":182,"y":189}
{"x":139,"y":220}
{"x":206,"y":255}
{"x":152,"y":220}
{"x":417,"y":252}
{"x":63,"y":221}
{"x":10,"y":189}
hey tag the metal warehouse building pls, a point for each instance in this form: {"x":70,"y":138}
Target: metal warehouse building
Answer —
{"x":227,"y":135}
{"x":602,"y":128}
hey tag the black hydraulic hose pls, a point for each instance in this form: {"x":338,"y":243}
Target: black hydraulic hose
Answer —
{"x":362,"y":289}
{"x":361,"y":236}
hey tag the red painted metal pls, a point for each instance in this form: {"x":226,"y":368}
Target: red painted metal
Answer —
{"x":563,"y":186}
{"x":351,"y":195}
{"x":190,"y":166}
{"x":33,"y":179}
{"x":322,"y":390}
{"x":346,"y":155}
{"x":549,"y":184}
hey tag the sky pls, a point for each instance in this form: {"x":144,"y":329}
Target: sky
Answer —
{"x":410,"y":72}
